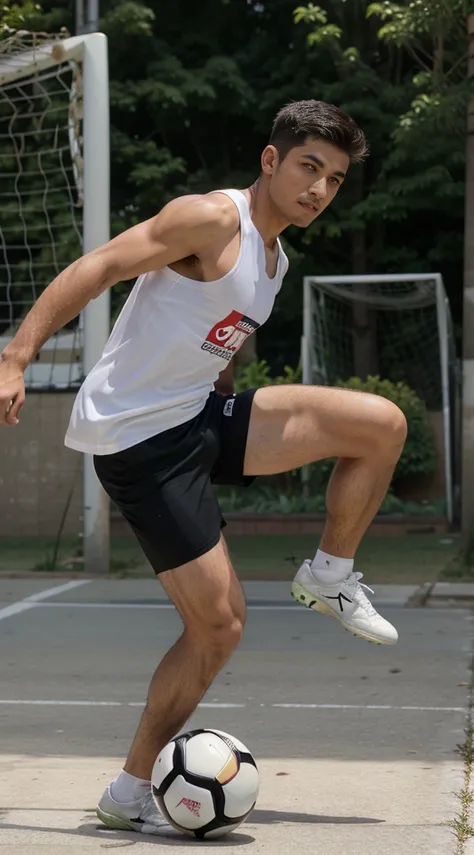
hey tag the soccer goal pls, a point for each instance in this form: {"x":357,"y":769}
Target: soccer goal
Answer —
{"x":54,"y":206}
{"x":395,"y":326}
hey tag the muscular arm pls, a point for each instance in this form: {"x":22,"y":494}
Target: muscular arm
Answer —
{"x":187,"y":226}
{"x":225,"y":381}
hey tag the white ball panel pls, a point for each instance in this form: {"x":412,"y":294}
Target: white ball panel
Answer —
{"x":163,"y":765}
{"x":238,"y":744}
{"x":241,"y":793}
{"x":206,"y":754}
{"x":189,"y":807}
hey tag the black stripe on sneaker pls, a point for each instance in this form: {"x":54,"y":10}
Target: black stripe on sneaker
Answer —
{"x":338,"y":598}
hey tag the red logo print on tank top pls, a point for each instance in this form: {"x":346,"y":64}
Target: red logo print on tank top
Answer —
{"x":228,"y":335}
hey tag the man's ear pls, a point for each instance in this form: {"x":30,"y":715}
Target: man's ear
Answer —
{"x":269,"y":160}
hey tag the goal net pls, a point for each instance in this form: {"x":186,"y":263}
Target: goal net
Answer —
{"x":397,"y":327}
{"x":41,"y":192}
{"x":54,"y":207}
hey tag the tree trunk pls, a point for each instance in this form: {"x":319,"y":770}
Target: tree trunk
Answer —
{"x":364,"y":334}
{"x":438,"y":60}
{"x":468,"y":318}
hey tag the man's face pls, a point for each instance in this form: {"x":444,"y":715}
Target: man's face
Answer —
{"x":307,"y":180}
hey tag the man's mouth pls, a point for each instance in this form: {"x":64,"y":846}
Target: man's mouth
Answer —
{"x":309,"y":207}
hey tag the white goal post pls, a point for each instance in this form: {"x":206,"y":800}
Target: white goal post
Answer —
{"x":411,"y":324}
{"x":38,"y":72}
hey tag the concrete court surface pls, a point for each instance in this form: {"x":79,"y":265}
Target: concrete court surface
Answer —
{"x":356,"y":744}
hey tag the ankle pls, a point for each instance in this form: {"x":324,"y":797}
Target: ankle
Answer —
{"x":331,"y":568}
{"x":128,"y":788}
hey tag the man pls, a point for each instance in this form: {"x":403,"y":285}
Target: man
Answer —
{"x":209,"y":268}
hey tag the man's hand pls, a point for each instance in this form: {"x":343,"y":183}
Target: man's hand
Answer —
{"x":12,"y":392}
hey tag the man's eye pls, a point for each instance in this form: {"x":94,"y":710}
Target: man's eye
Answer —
{"x":310,"y":166}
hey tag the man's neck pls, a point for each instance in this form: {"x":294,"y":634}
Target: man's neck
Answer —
{"x":265,"y":217}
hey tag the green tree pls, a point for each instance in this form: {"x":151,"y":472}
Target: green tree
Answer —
{"x":194,"y":88}
{"x":423,"y":179}
{"x":13,"y":16}
{"x":399,"y":70}
{"x":365,"y":83}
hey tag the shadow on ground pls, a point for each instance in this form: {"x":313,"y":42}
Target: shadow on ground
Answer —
{"x":89,"y":828}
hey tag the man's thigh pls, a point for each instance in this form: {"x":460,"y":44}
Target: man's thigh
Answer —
{"x":206,"y":591}
{"x":291,"y":426}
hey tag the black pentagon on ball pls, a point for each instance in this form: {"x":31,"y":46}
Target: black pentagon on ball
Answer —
{"x":210,"y":784}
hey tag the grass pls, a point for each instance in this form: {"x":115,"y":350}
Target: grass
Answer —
{"x":24,"y":555}
{"x":461,"y":825}
{"x":461,"y":567}
{"x":412,"y":559}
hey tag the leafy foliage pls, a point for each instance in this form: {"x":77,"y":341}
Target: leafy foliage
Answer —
{"x":268,"y":499}
{"x":257,"y":374}
{"x":195,"y":86}
{"x":14,"y":16}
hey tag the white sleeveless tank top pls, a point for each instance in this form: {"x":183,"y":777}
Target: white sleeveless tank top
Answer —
{"x":169,"y":344}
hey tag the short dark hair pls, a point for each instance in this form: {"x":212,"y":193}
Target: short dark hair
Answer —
{"x":302,"y":119}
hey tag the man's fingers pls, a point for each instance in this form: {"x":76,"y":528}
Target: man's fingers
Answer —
{"x":13,"y":410}
{"x":4,"y":411}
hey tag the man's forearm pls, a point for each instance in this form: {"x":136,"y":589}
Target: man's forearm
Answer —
{"x":59,"y":304}
{"x":225,"y":382}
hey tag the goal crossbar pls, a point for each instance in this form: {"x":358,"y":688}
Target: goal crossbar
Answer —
{"x":46,"y":55}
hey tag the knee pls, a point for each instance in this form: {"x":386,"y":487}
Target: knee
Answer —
{"x":222,"y":628}
{"x":390,"y":424}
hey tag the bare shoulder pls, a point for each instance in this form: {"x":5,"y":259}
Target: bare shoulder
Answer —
{"x":187,"y":226}
{"x":214,"y":213}
{"x":224,"y":208}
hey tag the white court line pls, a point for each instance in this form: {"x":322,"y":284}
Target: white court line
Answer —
{"x":212,"y":706}
{"x":367,"y":707}
{"x":64,"y":605}
{"x":166,"y":606}
{"x":216,"y":705}
{"x":150,"y":606}
{"x":35,"y":599}
{"x":64,"y":703}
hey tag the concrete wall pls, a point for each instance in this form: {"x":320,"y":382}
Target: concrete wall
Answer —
{"x":37,"y":471}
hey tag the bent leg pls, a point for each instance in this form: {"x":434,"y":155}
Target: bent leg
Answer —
{"x":210,"y":601}
{"x":292,"y":426}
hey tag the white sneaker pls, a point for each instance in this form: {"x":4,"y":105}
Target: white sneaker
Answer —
{"x":141,"y":815}
{"x":345,"y":601}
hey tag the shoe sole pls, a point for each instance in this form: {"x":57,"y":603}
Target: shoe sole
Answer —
{"x":311,"y":601}
{"x":115,"y":822}
{"x":118,"y":824}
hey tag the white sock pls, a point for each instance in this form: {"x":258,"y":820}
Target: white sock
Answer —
{"x":127,"y":788}
{"x":330,"y":569}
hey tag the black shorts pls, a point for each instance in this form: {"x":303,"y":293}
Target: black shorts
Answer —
{"x":162,"y":486}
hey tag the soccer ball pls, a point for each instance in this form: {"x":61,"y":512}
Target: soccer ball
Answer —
{"x":205,"y":782}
